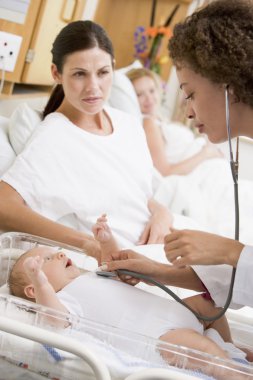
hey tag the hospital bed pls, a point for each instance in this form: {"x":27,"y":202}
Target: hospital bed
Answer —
{"x":31,"y":348}
{"x":197,"y":204}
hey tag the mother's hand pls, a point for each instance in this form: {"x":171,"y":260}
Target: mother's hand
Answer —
{"x":158,"y":226}
{"x":188,"y":247}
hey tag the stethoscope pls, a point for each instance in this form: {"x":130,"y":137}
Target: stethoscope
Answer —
{"x":234,"y":170}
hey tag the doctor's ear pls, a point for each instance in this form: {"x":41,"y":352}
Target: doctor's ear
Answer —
{"x":29,"y":291}
{"x":55,"y":74}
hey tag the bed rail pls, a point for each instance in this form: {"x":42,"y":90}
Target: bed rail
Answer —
{"x":37,"y":334}
{"x":160,"y":374}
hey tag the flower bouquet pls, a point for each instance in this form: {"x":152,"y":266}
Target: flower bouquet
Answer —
{"x":148,"y":43}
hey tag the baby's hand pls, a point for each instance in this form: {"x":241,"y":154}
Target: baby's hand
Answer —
{"x":32,"y":267}
{"x":101,"y":230}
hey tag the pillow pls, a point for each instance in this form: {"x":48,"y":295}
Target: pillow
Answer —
{"x":7,"y":154}
{"x":22,"y":123}
{"x":135,"y":65}
{"x":123,"y":96}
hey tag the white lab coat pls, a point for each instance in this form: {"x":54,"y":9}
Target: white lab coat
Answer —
{"x":243,"y":289}
{"x":217,"y":278}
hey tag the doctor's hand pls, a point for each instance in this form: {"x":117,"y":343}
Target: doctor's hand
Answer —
{"x":158,"y":226}
{"x":188,"y":247}
{"x":133,"y":261}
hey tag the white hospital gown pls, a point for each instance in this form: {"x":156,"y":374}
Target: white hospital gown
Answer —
{"x":72,"y":176}
{"x":207,"y":193}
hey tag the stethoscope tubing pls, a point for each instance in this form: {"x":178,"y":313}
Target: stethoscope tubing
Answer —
{"x":234,"y":171}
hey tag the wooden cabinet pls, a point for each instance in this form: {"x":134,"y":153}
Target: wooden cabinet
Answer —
{"x":121,"y":17}
{"x":43,"y":20}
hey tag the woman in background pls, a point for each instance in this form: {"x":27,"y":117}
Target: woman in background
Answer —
{"x":168,"y":143}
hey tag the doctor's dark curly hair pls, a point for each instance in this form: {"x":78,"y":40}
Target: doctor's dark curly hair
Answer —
{"x":217,"y":42}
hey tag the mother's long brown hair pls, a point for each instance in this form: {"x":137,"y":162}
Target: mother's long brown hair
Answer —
{"x":76,"y":36}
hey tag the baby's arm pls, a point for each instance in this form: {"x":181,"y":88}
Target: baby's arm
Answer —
{"x":103,"y":234}
{"x":40,"y":288}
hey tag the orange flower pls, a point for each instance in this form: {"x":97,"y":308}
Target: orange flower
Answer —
{"x":143,"y":55}
{"x":151,"y":31}
{"x":166,"y":31}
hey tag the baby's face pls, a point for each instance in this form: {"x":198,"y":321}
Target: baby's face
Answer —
{"x":59,"y":269}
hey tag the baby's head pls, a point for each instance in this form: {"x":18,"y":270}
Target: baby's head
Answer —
{"x":148,"y":88}
{"x":58,"y":268}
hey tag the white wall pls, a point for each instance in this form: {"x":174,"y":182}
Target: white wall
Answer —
{"x":90,"y":9}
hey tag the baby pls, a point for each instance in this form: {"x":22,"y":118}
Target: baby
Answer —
{"x":50,"y":278}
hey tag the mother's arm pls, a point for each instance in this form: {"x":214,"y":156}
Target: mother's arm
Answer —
{"x":15,"y":215}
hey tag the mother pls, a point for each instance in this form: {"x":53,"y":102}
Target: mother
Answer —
{"x":84,"y":159}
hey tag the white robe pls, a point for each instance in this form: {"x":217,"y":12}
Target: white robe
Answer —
{"x":72,"y":176}
{"x":207,"y":193}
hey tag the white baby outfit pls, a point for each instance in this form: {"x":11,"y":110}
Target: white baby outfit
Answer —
{"x":114,"y":303}
{"x":117,"y":304}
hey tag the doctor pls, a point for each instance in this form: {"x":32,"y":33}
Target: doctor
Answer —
{"x":213,"y":53}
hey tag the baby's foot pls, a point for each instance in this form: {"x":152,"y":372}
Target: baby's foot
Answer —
{"x":101,"y":230}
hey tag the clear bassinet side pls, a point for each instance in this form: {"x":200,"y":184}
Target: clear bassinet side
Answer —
{"x":122,"y":351}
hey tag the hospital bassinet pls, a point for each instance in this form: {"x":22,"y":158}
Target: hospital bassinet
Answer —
{"x":32,"y":349}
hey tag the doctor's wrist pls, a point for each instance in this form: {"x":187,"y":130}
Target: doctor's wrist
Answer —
{"x":233,"y":253}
